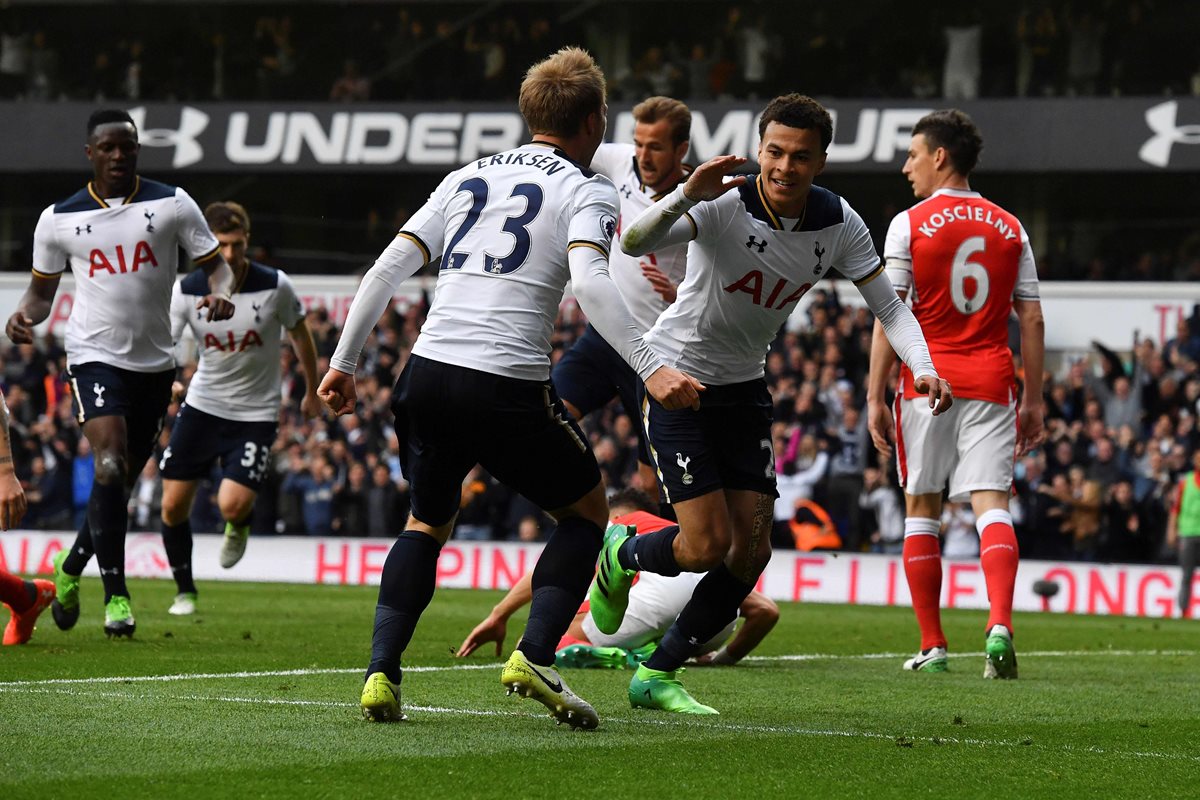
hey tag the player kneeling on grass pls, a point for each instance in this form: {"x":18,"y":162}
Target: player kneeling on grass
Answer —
{"x":654,"y":604}
{"x":231,"y":413}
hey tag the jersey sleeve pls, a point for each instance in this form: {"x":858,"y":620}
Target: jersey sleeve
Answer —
{"x":49,"y":258}
{"x":193,"y":233}
{"x":287,"y":305}
{"x":710,"y":218}
{"x":856,"y":256}
{"x":427,"y":227}
{"x":897,"y":252}
{"x":593,"y":216}
{"x":1027,"y":277}
{"x":608,"y":159}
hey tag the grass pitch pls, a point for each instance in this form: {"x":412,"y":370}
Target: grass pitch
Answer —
{"x":256,"y":696}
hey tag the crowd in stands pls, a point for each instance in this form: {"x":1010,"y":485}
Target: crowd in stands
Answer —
{"x":389,"y":51}
{"x":1121,"y":433}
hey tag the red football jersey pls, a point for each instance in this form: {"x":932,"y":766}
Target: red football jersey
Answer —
{"x":967,"y":258}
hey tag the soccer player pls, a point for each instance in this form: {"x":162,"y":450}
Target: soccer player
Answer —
{"x":507,"y":231}
{"x":967,"y":264}
{"x":232,"y":408}
{"x":121,"y":236}
{"x":758,"y":244}
{"x":592,"y":373}
{"x":654,"y":603}
{"x":25,"y":600}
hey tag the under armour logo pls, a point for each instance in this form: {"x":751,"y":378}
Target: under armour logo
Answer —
{"x":693,"y":641}
{"x":818,"y":251}
{"x":756,"y":243}
{"x":113,"y":571}
{"x":149,"y":215}
{"x":80,"y":229}
{"x":256,"y":307}
{"x":99,"y":390}
{"x":683,"y":464}
{"x":1161,"y":120}
{"x":626,"y":192}
{"x":192,"y":122}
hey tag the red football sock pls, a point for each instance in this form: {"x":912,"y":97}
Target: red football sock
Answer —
{"x":14,"y":593}
{"x":923,"y":568}
{"x":998,"y":557}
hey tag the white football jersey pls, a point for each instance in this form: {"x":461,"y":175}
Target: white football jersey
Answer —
{"x":747,"y":268}
{"x":618,"y":162}
{"x":238,"y":374}
{"x":501,"y":227}
{"x":125,"y":255}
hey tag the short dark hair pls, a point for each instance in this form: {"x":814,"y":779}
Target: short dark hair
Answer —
{"x":635,"y":498}
{"x":106,"y":116}
{"x":798,"y":111}
{"x":226,"y":216}
{"x":957,"y":133}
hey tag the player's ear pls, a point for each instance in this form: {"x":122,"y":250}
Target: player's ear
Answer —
{"x":821,"y":164}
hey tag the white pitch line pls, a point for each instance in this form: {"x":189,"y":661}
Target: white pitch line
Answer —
{"x":494,"y":665}
{"x":641,"y":720}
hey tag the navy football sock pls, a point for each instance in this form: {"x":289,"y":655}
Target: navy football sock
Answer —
{"x":560,"y":581}
{"x":651,"y":552}
{"x":405,"y":589}
{"x":108,"y":518}
{"x":714,"y":604}
{"x":177,"y":541}
{"x":81,"y":551}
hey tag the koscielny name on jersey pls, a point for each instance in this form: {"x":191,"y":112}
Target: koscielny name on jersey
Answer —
{"x":965,"y":213}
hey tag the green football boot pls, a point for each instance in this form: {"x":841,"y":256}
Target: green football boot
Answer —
{"x":586,"y":656}
{"x":651,"y":688}
{"x":637,"y":655}
{"x":65,"y":607}
{"x":234,"y":545}
{"x":1000,"y":657}
{"x":609,"y":596}
{"x":380,"y":699}
{"x":118,"y":618}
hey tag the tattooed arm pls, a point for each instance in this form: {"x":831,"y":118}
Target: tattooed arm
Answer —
{"x":12,"y":496}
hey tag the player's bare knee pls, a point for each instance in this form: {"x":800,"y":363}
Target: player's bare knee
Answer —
{"x":702,"y":553}
{"x":174,"y":512}
{"x":111,"y":469}
{"x":235,"y":510}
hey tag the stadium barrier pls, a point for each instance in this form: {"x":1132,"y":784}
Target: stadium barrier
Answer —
{"x":855,"y":579}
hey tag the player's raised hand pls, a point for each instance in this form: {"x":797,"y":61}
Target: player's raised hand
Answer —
{"x":337,"y":392}
{"x":659,"y":282}
{"x":492,"y":629}
{"x":674,"y":389}
{"x":19,"y":329}
{"x":882,"y":427}
{"x":219,"y":307}
{"x":940,"y":396}
{"x":1030,"y":429}
{"x":708,"y":181}
{"x":310,"y":406}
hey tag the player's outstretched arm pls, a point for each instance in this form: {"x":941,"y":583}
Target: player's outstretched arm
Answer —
{"x":12,"y":496}
{"x":906,"y":339}
{"x":33,"y":309}
{"x":306,"y":351}
{"x":1030,"y":422}
{"x":220,"y":289}
{"x":662,"y":224}
{"x":495,"y":627}
{"x":879,"y":417}
{"x":759,"y":614}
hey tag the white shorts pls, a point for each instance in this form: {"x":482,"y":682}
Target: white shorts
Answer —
{"x":970,"y":447}
{"x":654,"y":603}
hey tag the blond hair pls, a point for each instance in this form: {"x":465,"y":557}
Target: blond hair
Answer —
{"x":226,"y":216}
{"x":653,"y":109}
{"x":560,"y":92}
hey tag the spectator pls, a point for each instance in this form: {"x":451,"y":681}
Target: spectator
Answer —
{"x":351,"y":86}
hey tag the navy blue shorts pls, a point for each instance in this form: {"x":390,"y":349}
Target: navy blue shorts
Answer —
{"x":592,"y":373}
{"x":199,"y":439}
{"x":448,"y":418}
{"x":101,"y":390}
{"x":724,"y":445}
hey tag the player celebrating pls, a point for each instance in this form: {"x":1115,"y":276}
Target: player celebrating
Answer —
{"x":232,"y":407}
{"x":25,"y":600}
{"x":968,"y":264}
{"x":508,"y":230}
{"x":756,"y":251}
{"x":121,"y":237}
{"x":654,"y":603}
{"x":592,"y":373}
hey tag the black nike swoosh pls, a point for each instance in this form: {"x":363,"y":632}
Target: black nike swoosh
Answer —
{"x":556,"y":687}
